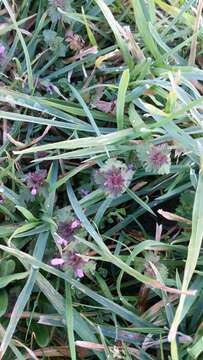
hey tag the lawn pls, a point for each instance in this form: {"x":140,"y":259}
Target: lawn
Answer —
{"x":101,"y":179}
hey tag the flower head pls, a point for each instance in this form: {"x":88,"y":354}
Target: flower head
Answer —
{"x":155,"y":158}
{"x":74,"y":263}
{"x":34,"y":181}
{"x":77,"y":263}
{"x":114,"y":177}
{"x":66,"y":231}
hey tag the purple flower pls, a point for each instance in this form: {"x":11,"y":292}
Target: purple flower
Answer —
{"x":66,"y":231}
{"x":34,"y":181}
{"x":84,"y":191}
{"x":155,"y":158}
{"x":158,"y":156}
{"x":114,"y":177}
{"x":60,"y":240}
{"x":57,"y":262}
{"x":73,"y":261}
{"x":2,"y":52}
{"x":77,"y":263}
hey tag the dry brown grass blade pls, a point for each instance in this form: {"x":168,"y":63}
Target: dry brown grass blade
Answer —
{"x":193,"y":48}
{"x":173,"y":217}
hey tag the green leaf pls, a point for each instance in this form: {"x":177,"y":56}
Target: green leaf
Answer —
{"x":7,"y":267}
{"x":5,"y":280}
{"x":42,"y":334}
{"x":26,"y":213}
{"x":3,"y":302}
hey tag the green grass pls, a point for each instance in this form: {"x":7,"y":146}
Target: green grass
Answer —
{"x":101,"y":127}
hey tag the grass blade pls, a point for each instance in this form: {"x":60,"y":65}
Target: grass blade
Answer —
{"x":120,"y":105}
{"x":27,"y":57}
{"x":69,"y":321}
{"x":193,"y":253}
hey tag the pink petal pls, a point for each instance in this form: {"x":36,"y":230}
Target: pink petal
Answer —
{"x":79,"y":273}
{"x":75,"y":224}
{"x":61,"y":241}
{"x":34,"y":191}
{"x":57,"y":262}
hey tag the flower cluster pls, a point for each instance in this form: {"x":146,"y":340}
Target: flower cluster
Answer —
{"x":72,"y":259}
{"x":155,"y":158}
{"x":114,"y":177}
{"x":34,"y":181}
{"x":66,"y":231}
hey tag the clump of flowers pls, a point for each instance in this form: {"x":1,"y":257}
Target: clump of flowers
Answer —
{"x":155,"y":158}
{"x":34,"y":181}
{"x":74,"y":264}
{"x":73,"y":259}
{"x":114,"y":177}
{"x":53,"y":12}
{"x":66,"y":231}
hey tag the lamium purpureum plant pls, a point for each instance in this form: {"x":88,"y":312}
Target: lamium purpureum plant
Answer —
{"x":96,"y":228}
{"x":73,"y":253}
{"x":74,"y":264}
{"x":155,"y":158}
{"x":67,"y":226}
{"x":35,"y":180}
{"x":114,"y":177}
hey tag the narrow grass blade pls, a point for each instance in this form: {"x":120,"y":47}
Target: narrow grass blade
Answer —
{"x":143,"y":27}
{"x":193,"y":253}
{"x":85,"y":108}
{"x":17,"y":311}
{"x":27,"y":57}
{"x":140,"y":202}
{"x":120,"y":105}
{"x":24,"y":295}
{"x":69,"y":321}
{"x":115,"y":28}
